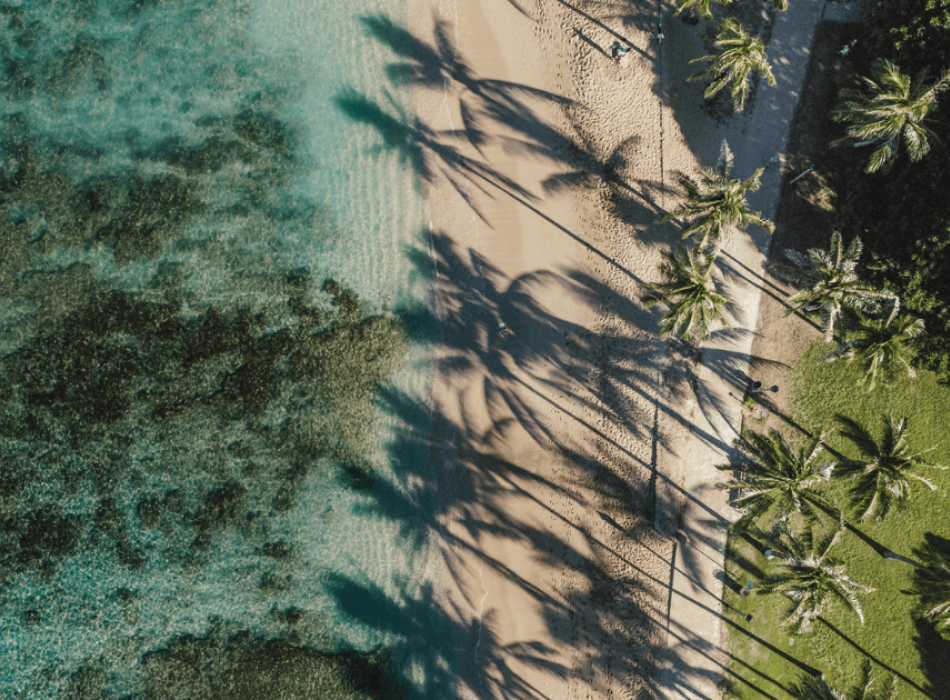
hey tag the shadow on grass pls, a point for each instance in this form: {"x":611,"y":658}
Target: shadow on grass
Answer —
{"x":934,"y":658}
{"x":874,"y":659}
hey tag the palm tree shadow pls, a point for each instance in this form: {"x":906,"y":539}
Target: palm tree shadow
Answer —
{"x":518,"y":367}
{"x":874,"y":659}
{"x":639,"y":20}
{"x":457,"y":481}
{"x":934,"y":658}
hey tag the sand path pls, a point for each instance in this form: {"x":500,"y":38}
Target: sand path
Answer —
{"x":564,"y":430}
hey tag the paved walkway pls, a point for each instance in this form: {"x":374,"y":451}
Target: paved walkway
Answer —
{"x":697,"y":516}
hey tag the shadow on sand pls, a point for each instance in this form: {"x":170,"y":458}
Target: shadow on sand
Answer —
{"x":523,"y":372}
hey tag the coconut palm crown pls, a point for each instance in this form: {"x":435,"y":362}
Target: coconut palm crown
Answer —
{"x":776,"y":478}
{"x":890,"y":112}
{"x":932,"y":585}
{"x":880,"y":344}
{"x":881,"y":476}
{"x":829,"y":283}
{"x":689,"y":291}
{"x":811,"y":578}
{"x":814,"y":688}
{"x":718,"y":201}
{"x":702,"y":6}
{"x":738,"y":55}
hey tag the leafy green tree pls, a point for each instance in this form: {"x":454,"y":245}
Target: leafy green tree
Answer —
{"x":879,"y":344}
{"x":738,"y":56}
{"x":815,"y":688}
{"x":916,"y":33}
{"x":881,"y":476}
{"x":932,"y":584}
{"x":829,"y":283}
{"x":718,"y":201}
{"x":811,"y":578}
{"x":890,"y":112}
{"x":702,"y":6}
{"x":776,"y":478}
{"x":689,"y":291}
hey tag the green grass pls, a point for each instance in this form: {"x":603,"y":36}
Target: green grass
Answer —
{"x":890,"y":637}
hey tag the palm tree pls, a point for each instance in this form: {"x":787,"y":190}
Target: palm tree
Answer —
{"x":881,"y":475}
{"x":815,"y":688}
{"x":702,"y":6}
{"x":933,"y":584}
{"x":879,"y":344}
{"x":776,"y":478}
{"x":892,"y":110}
{"x":829,"y":283}
{"x":738,"y":56}
{"x":810,"y":578}
{"x":690,"y":293}
{"x":719,"y":201}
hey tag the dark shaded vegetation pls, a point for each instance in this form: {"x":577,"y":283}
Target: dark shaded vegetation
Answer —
{"x":883,"y":555}
{"x":932,"y":585}
{"x":903,"y":216}
{"x":915,"y":34}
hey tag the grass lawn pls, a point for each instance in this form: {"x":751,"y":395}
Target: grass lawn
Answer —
{"x":890,"y":638}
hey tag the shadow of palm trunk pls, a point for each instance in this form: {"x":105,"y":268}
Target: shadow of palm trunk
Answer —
{"x":873,"y":658}
{"x":811,"y":670}
{"x":882,"y":551}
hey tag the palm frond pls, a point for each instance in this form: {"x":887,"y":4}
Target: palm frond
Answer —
{"x":716,"y":201}
{"x":695,"y":304}
{"x":810,"y":577}
{"x":739,"y":56}
{"x":892,"y":111}
{"x":880,"y":478}
{"x":776,"y":476}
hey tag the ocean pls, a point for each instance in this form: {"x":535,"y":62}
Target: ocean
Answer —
{"x":214,"y":353}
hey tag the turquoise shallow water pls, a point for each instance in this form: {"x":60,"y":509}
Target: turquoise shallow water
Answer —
{"x":189,"y":424}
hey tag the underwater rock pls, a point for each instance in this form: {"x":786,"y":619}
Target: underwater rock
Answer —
{"x":277,"y":550}
{"x":170,"y":372}
{"x":47,"y":533}
{"x":151,"y":211}
{"x":150,"y":511}
{"x":261,"y":129}
{"x":220,"y":506}
{"x":253,"y":668}
{"x":207,"y":157}
{"x":88,"y":683}
{"x":68,"y":71}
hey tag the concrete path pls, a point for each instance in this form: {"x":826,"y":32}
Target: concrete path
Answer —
{"x":699,"y":432}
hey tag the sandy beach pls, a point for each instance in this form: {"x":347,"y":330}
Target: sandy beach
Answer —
{"x":551,"y":560}
{"x":579,"y":525}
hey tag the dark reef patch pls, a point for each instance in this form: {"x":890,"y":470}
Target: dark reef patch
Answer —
{"x":120,"y":371}
{"x":208,"y":669}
